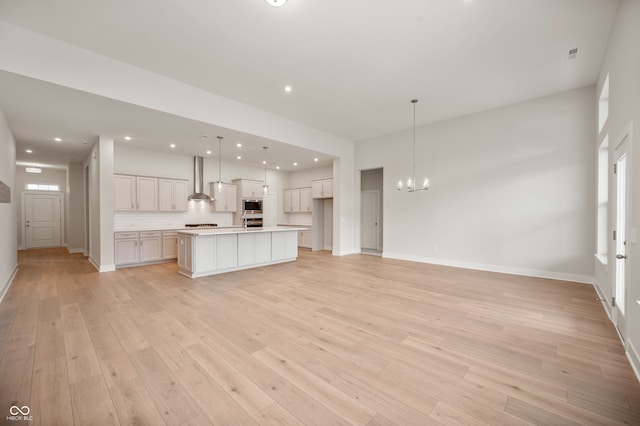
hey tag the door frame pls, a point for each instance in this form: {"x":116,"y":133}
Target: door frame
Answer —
{"x":622,"y":147}
{"x":23,"y":228}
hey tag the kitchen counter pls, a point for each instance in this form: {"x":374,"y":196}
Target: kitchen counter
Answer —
{"x":209,"y":251}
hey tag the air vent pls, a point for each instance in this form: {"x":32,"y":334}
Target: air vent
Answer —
{"x":573,"y":53}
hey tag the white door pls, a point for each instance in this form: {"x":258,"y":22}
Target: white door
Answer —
{"x":622,"y":170}
{"x":370,"y":231}
{"x":43,"y":220}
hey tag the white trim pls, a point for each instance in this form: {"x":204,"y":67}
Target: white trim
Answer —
{"x":7,"y":284}
{"x":634,"y":358}
{"x":107,"y":268}
{"x":602,"y":258}
{"x":603,"y":299}
{"x":344,"y":252}
{"x":562,"y":276}
{"x":74,"y":250}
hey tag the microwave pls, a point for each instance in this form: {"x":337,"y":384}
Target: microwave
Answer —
{"x":252,"y":206}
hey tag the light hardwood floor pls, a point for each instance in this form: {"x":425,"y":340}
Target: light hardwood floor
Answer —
{"x":324,"y":340}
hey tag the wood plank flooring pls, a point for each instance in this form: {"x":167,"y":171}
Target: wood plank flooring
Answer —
{"x":324,"y":340}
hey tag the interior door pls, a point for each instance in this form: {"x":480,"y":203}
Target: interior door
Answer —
{"x":370,"y":233}
{"x":43,"y":220}
{"x":622,"y":171}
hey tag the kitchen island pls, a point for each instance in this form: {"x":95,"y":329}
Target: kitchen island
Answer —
{"x":204,"y":252}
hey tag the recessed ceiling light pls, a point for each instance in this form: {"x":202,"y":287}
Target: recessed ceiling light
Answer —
{"x":28,"y":151}
{"x":239,"y":145}
{"x":277,"y":167}
{"x":57,"y":139}
{"x":295,"y":164}
{"x":264,"y":161}
{"x":276,"y":3}
{"x":288,"y":88}
{"x":316,"y":160}
{"x":173,"y":145}
{"x":209,"y":152}
{"x":239,"y":157}
{"x":127,"y":138}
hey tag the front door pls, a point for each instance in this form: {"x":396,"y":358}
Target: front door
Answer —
{"x":43,"y":220}
{"x":622,"y":170}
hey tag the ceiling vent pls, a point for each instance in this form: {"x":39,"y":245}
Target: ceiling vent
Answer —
{"x":573,"y":53}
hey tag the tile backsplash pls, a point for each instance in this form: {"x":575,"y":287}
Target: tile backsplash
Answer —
{"x":197,"y":213}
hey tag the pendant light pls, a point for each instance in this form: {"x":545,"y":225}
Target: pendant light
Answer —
{"x":265,"y":187}
{"x":276,"y":3}
{"x":219,"y":164}
{"x":411,"y":181}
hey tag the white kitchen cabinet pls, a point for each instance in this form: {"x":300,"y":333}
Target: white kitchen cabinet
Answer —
{"x":124,"y":194}
{"x":296,"y":200}
{"x":226,"y":198}
{"x":250,"y":188}
{"x":322,"y":188}
{"x":284,"y":245}
{"x":286,"y":200}
{"x":135,"y":193}
{"x":169,"y":245}
{"x":172,"y":195}
{"x":126,"y":248}
{"x":146,"y":194}
{"x":150,"y":246}
{"x":185,"y":252}
{"x":254,"y":248}
{"x":304,"y":238}
{"x":226,"y":251}
{"x":306,"y":200}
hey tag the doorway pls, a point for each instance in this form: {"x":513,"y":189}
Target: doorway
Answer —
{"x":371,"y":220}
{"x":43,"y":215}
{"x":622,"y":179}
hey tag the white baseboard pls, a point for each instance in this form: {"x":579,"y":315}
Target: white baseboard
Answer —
{"x":107,"y":268}
{"x":603,"y":299}
{"x":74,"y":250}
{"x":585,"y":279}
{"x":634,"y":358}
{"x":7,"y":284}
{"x":343,"y":252}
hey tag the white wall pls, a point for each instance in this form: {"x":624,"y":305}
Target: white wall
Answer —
{"x":512,"y":188}
{"x":75,"y":225}
{"x":8,"y":211}
{"x":48,"y":176}
{"x":622,"y":64}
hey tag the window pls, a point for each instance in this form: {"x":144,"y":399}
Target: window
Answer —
{"x":42,"y":187}
{"x":603,"y":200}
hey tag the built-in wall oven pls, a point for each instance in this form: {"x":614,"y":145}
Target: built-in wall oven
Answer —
{"x":252,"y":206}
{"x":252,"y":213}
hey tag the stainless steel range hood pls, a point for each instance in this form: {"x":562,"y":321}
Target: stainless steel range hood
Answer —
{"x":198,"y":184}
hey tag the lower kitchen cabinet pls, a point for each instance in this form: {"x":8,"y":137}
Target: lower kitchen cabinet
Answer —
{"x":169,"y":245}
{"x":132,"y":248}
{"x":304,"y":238}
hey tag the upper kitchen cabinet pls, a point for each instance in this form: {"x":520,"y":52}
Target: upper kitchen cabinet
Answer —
{"x":172,"y":195}
{"x":124,"y":197}
{"x":297,"y":200}
{"x":250,"y":188}
{"x":135,"y":193}
{"x":226,"y":198}
{"x":146,"y":194}
{"x":322,"y":188}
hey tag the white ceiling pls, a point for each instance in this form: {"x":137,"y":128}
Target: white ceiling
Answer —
{"x":353,"y":65}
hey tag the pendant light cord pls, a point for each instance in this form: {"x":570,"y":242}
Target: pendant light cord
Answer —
{"x":413,"y":170}
{"x":219,"y":159}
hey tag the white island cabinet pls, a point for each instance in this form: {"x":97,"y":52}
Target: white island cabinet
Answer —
{"x":204,"y":252}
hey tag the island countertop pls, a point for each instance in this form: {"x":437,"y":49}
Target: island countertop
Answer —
{"x":222,"y":231}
